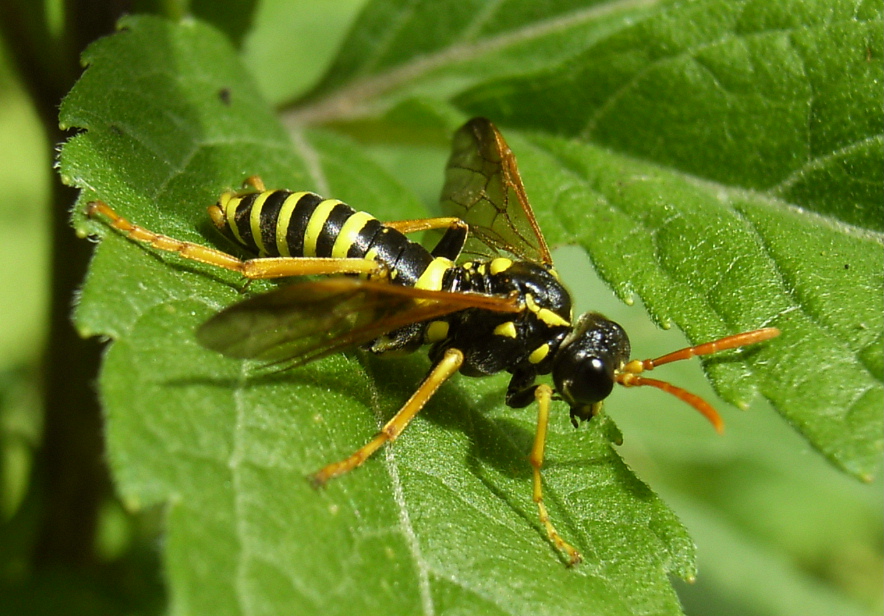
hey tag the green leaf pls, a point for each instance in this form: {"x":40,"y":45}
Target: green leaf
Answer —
{"x":721,"y":161}
{"x":23,"y":296}
{"x":399,"y":50}
{"x":762,"y":115}
{"x":441,"y":522}
{"x":231,"y":17}
{"x":294,"y":34}
{"x":721,"y":261}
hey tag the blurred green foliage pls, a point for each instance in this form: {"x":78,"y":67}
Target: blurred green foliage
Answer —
{"x":779,"y":530}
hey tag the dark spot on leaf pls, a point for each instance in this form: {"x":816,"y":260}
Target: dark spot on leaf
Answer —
{"x":224,"y":94}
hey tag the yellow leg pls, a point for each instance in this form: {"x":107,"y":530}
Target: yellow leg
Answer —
{"x":255,"y":182}
{"x":425,"y":224}
{"x":543,"y":395}
{"x":252,"y":184}
{"x":259,"y":268}
{"x":441,"y":372}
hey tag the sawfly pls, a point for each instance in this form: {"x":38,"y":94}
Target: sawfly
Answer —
{"x":485,"y":298}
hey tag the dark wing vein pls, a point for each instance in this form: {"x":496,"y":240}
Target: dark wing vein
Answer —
{"x":483,"y":187}
{"x":306,"y":321}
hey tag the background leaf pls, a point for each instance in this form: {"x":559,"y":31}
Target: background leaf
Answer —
{"x":759,"y":113}
{"x":399,"y":51}
{"x":228,"y":448}
{"x":690,"y":193}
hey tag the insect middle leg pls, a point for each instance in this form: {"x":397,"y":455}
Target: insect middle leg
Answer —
{"x":543,"y":395}
{"x":444,"y":369}
{"x":257,"y":268}
{"x":450,"y":245}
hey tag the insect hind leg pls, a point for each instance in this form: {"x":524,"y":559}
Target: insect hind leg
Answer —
{"x":188,"y":250}
{"x":444,"y":369}
{"x":252,"y":269}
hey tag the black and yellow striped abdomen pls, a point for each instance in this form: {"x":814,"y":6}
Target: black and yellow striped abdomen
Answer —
{"x":281,"y":223}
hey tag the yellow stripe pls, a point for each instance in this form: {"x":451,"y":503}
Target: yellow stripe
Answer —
{"x":349,"y":233}
{"x":229,"y":207}
{"x":314,"y":226}
{"x":255,"y":221}
{"x":431,"y":279}
{"x":282,"y":223}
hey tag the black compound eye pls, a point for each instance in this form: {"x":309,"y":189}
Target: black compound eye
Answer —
{"x":584,"y":379}
{"x":592,"y":381}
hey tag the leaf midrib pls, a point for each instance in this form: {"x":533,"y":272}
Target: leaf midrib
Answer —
{"x":349,"y":101}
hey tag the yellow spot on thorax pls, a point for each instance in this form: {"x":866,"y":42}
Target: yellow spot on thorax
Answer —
{"x":539,"y":354}
{"x":544,"y":314}
{"x":507,"y":330}
{"x":499,"y":265}
{"x":436,"y":331}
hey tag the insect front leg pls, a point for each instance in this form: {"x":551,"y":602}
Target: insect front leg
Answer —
{"x":444,"y":369}
{"x":543,"y":395}
{"x":519,"y":394}
{"x":521,"y":390}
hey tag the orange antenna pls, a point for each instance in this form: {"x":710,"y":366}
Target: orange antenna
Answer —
{"x":629,"y":375}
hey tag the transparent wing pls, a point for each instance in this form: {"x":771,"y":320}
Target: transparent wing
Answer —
{"x":303,"y":322}
{"x":483,"y":187}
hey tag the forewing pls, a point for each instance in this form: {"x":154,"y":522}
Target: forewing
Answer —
{"x":483,"y":188}
{"x":302,"y":322}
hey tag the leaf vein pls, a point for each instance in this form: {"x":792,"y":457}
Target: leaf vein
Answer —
{"x":821,"y":162}
{"x":351,"y":101}
{"x":407,"y":529}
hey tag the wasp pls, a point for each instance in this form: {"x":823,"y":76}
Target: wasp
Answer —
{"x":486,"y":298}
